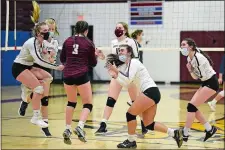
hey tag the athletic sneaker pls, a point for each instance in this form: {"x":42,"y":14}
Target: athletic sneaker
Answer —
{"x":210,"y":133}
{"x":80,"y":133}
{"x":22,"y":108}
{"x":185,"y":138}
{"x":39,"y":122}
{"x":66,"y":135}
{"x":102,"y":129}
{"x":178,"y":137}
{"x":46,"y":132}
{"x":212,"y":106}
{"x":127,"y":144}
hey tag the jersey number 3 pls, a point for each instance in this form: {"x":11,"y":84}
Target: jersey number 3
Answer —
{"x":75,"y":49}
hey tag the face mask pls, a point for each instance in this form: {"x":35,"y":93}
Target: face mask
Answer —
{"x":123,"y":58}
{"x":51,"y":34}
{"x":185,"y":51}
{"x":143,"y":38}
{"x":118,"y":32}
{"x":45,"y":35}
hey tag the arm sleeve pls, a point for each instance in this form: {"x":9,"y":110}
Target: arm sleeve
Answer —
{"x":134,"y":45}
{"x":222,"y":65}
{"x":92,"y":57}
{"x":63,"y":54}
{"x":126,"y":79}
{"x":39,"y":60}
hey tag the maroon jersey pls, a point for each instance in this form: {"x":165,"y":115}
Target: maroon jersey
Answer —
{"x":78,"y":54}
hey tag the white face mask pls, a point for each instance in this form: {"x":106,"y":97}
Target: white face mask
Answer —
{"x":51,"y":34}
{"x":123,"y":58}
{"x":184,"y":51}
{"x":143,"y":38}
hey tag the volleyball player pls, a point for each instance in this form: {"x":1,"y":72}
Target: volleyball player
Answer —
{"x":138,"y":35}
{"x":123,"y":37}
{"x":23,"y":71}
{"x":78,"y":53}
{"x":220,"y":95}
{"x":199,"y":66}
{"x":48,"y":53}
{"x":147,"y":100}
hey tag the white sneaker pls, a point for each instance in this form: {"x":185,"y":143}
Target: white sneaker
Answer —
{"x":212,"y":106}
{"x":39,"y":122}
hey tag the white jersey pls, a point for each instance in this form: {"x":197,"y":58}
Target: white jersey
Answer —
{"x":49,"y":46}
{"x":137,"y":73}
{"x":115,"y":45}
{"x":30,"y":53}
{"x":201,"y":67}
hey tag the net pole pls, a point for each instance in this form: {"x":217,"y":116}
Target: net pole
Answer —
{"x":15,"y":24}
{"x":7,"y":25}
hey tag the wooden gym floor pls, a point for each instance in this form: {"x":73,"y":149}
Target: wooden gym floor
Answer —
{"x":19,"y":133}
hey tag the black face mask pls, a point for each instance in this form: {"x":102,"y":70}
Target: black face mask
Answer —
{"x":45,"y":35}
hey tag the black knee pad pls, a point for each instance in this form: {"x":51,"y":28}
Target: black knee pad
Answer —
{"x":88,"y":106}
{"x":130,"y":117}
{"x":110,"y":102}
{"x":191,"y":108}
{"x":151,"y":126}
{"x":72,"y":104}
{"x":44,"y":101}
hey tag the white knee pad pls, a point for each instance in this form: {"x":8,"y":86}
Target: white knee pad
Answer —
{"x":48,"y":80}
{"x":221,"y":93}
{"x":25,"y":92}
{"x":39,"y":90}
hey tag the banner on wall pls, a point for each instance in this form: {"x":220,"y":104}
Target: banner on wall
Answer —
{"x":146,"y":12}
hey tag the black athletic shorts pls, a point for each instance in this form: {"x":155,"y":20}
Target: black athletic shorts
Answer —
{"x":153,"y":93}
{"x":41,"y":67}
{"x":212,"y":83}
{"x":17,"y":68}
{"x":77,"y":80}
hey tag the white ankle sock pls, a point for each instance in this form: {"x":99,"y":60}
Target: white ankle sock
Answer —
{"x":207,"y":126}
{"x":36,"y":113}
{"x":186,"y":131}
{"x":45,"y":120}
{"x":104,"y":120}
{"x":214,"y":101}
{"x":170,"y":132}
{"x":131,"y":138}
{"x":81,"y":124}
{"x":68,"y":127}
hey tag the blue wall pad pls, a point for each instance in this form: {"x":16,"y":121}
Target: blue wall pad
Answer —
{"x":21,"y":37}
{"x":7,"y":58}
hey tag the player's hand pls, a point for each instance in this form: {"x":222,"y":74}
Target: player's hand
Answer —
{"x":51,"y":60}
{"x":220,"y":80}
{"x":189,"y":67}
{"x":44,"y":51}
{"x":112,"y":69}
{"x":60,"y":67}
{"x":100,"y":54}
